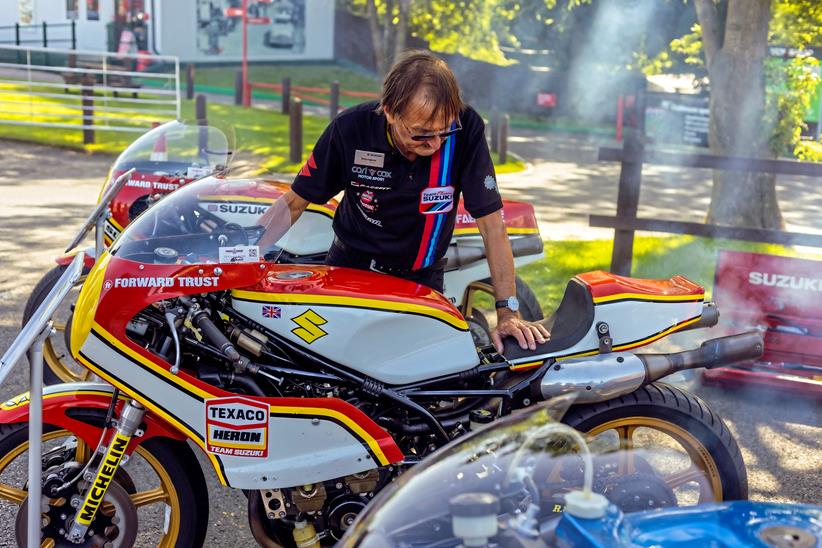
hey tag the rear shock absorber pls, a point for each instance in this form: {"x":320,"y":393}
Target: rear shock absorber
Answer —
{"x":100,"y":477}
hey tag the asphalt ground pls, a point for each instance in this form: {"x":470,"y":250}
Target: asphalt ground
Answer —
{"x":45,"y":194}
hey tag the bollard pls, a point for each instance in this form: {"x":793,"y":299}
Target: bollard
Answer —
{"x":238,"y":88}
{"x":494,"y":129}
{"x":88,"y":115}
{"x":295,"y":131}
{"x":502,"y":144}
{"x":201,"y":110}
{"x":286,"y":94}
{"x":190,"y":81}
{"x":334,"y":104}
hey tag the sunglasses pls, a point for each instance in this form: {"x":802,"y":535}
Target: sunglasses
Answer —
{"x":431,"y":135}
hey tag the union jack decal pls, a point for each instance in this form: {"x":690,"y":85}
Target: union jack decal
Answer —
{"x":271,"y":311}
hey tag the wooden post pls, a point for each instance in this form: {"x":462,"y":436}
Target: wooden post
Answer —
{"x":286,"y":93}
{"x":502,"y":144}
{"x":238,"y":88}
{"x":88,"y":114}
{"x":73,"y":35}
{"x":295,"y":131}
{"x":190,"y":81}
{"x":201,"y":110}
{"x":494,"y":128}
{"x":334,"y":104}
{"x":630,"y":180}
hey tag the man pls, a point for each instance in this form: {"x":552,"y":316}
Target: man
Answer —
{"x":402,"y":164}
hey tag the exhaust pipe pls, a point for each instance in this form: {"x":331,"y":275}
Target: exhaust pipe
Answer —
{"x":606,"y":376}
{"x":712,"y":353}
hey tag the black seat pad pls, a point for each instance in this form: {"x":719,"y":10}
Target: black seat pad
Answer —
{"x":570,"y":322}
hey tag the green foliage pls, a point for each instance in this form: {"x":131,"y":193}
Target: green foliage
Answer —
{"x":689,"y":48}
{"x":468,"y":27}
{"x":809,"y":151}
{"x":792,"y":85}
{"x":796,"y":23}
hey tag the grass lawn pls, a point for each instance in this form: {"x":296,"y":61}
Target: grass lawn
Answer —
{"x":309,"y":75}
{"x":263,"y":132}
{"x":654,"y":257}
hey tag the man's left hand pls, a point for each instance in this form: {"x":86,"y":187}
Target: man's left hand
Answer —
{"x":527,"y":334}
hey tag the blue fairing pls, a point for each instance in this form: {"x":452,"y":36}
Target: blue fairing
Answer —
{"x":711,"y":525}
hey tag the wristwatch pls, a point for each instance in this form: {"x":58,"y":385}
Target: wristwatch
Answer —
{"x":511,"y":303}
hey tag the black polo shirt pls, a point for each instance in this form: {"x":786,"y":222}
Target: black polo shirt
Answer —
{"x":398,"y":211}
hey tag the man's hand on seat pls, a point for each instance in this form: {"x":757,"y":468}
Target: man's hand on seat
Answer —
{"x":527,"y":334}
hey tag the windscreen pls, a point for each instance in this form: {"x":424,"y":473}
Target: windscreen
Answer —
{"x":213,"y":220}
{"x":177,"y":149}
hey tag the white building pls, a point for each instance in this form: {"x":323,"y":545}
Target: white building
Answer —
{"x":195,"y":30}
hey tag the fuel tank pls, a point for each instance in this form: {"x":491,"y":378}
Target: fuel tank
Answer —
{"x":389,"y":329}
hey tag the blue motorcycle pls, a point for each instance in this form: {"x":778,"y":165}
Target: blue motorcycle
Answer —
{"x":527,"y":481}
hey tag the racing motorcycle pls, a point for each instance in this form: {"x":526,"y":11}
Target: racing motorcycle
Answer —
{"x":312,"y":387}
{"x":526,"y":481}
{"x":175,"y":154}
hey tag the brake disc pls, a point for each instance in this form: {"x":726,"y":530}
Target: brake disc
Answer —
{"x":114,"y":526}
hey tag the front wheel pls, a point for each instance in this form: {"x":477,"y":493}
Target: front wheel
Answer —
{"x":59,"y":365}
{"x":158,"y":483}
{"x":706,"y":464}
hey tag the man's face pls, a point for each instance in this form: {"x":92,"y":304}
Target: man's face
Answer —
{"x":415,"y":121}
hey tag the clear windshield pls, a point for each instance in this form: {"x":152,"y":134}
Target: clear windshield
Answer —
{"x":521,"y":467}
{"x":213,"y":220}
{"x":177,"y":149}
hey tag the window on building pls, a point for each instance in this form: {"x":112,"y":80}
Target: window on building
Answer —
{"x":72,"y":9}
{"x":93,"y":10}
{"x":26,"y":10}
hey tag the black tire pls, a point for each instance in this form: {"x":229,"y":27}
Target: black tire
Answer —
{"x":177,"y":461}
{"x":529,"y":307}
{"x":52,"y":358}
{"x":676,"y":407}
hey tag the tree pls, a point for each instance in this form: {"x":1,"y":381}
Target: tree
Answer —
{"x":468,"y":27}
{"x":744,"y":120}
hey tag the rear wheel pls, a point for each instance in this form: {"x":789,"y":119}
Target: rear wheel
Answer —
{"x":59,"y":365}
{"x":704,"y":462}
{"x":161,"y":485}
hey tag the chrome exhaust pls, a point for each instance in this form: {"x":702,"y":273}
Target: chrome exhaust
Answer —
{"x":607,"y":376}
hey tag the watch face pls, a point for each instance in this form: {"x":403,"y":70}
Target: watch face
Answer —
{"x":513,"y":303}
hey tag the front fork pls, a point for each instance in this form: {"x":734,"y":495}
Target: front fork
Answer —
{"x":99,"y":476}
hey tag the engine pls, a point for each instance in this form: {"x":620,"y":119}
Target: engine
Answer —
{"x":328,"y":508}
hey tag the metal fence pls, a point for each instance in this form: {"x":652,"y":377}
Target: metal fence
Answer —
{"x":87,"y":90}
{"x":43,"y":34}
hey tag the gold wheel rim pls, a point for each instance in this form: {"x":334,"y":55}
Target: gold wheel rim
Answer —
{"x":702,"y":463}
{"x":59,"y":368}
{"x":165,"y":493}
{"x":56,"y":362}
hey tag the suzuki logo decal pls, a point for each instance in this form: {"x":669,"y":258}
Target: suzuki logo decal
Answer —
{"x":309,"y":323}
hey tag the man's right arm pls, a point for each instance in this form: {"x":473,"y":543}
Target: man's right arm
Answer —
{"x":274,"y":219}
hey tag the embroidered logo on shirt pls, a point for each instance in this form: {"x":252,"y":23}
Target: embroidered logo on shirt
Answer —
{"x":369,"y":201}
{"x":434,"y":200}
{"x":490,"y":183}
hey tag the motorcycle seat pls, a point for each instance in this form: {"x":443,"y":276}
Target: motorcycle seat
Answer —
{"x":571,"y":321}
{"x":605,"y":286}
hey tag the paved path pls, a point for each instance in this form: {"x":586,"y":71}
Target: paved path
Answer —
{"x":46,"y":194}
{"x":566,"y":183}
